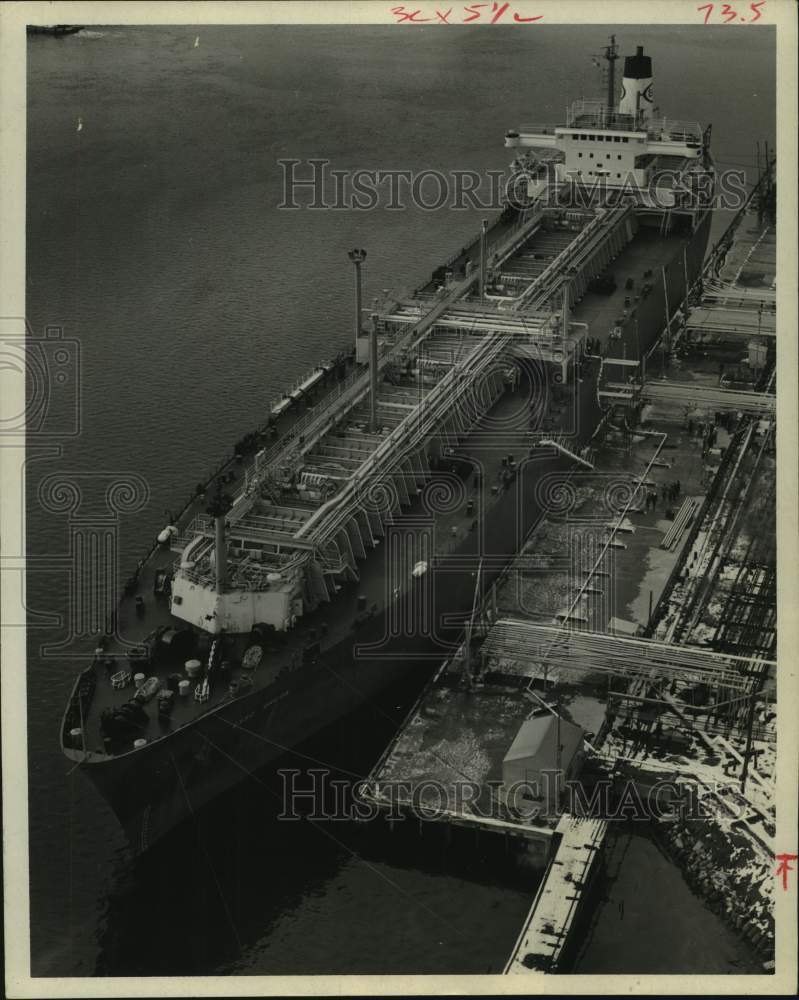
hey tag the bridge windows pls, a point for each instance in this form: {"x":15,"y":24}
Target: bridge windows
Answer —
{"x":590,"y":137}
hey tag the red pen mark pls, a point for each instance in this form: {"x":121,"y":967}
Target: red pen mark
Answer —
{"x":729,"y":13}
{"x":499,"y":11}
{"x":784,"y":867}
{"x":474,"y":13}
{"x":486,"y":13}
{"x":709,"y":8}
{"x":403,"y":15}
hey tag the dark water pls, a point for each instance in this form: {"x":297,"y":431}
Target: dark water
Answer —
{"x":154,"y":240}
{"x":644,"y":898}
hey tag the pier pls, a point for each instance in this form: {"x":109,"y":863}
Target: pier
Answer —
{"x":644,"y":619}
{"x":547,"y":932}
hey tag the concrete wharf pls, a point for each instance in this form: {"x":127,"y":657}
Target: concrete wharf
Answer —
{"x":547,"y":933}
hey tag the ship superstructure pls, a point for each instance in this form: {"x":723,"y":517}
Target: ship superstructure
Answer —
{"x":657,"y":162}
{"x":353,"y":546}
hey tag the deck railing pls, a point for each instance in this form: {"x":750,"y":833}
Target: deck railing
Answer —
{"x":596,"y":114}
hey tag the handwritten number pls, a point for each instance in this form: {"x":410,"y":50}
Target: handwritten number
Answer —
{"x":403,"y":15}
{"x":473,"y":12}
{"x":709,"y":8}
{"x":755,"y":8}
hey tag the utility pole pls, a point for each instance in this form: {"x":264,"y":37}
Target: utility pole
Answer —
{"x":357,"y":257}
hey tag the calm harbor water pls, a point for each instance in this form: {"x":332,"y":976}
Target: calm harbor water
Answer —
{"x":155,"y":241}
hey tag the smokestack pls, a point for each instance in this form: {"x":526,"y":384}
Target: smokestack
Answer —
{"x":373,"y":375}
{"x":636,"y":87}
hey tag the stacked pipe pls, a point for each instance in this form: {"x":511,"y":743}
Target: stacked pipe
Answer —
{"x":684,"y":515}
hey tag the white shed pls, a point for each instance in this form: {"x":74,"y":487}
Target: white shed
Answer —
{"x":533,"y":752}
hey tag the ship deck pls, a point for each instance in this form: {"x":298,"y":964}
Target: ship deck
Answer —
{"x":333,"y":623}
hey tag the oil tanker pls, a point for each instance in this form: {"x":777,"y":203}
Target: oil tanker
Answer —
{"x":347,"y":542}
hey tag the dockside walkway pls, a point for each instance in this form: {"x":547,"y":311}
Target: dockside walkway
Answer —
{"x":547,"y":930}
